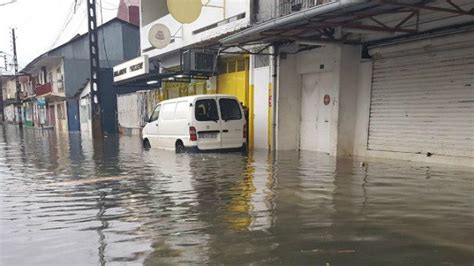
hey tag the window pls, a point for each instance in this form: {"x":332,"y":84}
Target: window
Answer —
{"x":156,"y":114}
{"x":206,"y":110}
{"x":261,"y":60}
{"x":182,"y":110}
{"x":230,"y":109}
{"x":168,"y":111}
{"x":241,"y":65}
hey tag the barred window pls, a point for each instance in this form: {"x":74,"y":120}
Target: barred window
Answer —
{"x":261,"y":61}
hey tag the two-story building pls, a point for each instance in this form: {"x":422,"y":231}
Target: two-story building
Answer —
{"x":59,"y":75}
{"x":383,"y":79}
{"x":389,"y":79}
{"x":179,"y":44}
{"x":8,"y":98}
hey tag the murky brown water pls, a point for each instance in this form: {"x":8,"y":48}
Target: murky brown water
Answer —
{"x":63,"y":203}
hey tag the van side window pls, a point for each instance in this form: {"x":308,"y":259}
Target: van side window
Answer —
{"x":156,"y":114}
{"x":182,"y":109}
{"x":206,"y":110}
{"x":168,"y":111}
{"x":230,"y":109}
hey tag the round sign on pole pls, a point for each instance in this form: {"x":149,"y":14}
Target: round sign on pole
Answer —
{"x":159,"y":36}
{"x":327,"y":99}
{"x":185,"y":11}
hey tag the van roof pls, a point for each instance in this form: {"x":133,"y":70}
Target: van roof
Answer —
{"x":200,"y":96}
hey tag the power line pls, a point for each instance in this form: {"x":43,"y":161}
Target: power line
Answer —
{"x":70,"y":16}
{"x":103,"y":38}
{"x":8,"y":3}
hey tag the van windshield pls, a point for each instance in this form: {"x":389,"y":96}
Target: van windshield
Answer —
{"x":206,"y":110}
{"x":230,"y":109}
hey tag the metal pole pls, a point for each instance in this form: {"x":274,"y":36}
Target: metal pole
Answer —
{"x":274,"y":94}
{"x":17,"y":81}
{"x":2,"y":113}
{"x":94,"y":75}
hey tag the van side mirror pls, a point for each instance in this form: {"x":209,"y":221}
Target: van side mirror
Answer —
{"x":146,"y":119}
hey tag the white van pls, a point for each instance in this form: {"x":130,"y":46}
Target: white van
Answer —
{"x":197,"y":123}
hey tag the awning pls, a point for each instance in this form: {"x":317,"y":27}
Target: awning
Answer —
{"x":154,"y":80}
{"x":357,"y":22}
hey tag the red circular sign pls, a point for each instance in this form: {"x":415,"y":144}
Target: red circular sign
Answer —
{"x":327,"y":99}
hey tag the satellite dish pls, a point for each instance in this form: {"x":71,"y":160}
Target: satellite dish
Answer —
{"x":159,"y":36}
{"x":185,"y":11}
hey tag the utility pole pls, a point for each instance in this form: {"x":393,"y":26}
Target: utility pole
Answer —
{"x":94,"y":65}
{"x":17,"y":81}
{"x":2,"y":113}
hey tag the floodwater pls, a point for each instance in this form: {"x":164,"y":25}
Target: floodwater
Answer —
{"x":63,"y":202}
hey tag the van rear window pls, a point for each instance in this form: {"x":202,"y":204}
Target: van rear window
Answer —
{"x":230,"y":109}
{"x":206,"y":110}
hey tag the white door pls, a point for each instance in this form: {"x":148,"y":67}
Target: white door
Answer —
{"x":152,"y":127}
{"x":166,"y":126}
{"x":232,"y":123}
{"x":207,"y":123}
{"x":315,"y":115}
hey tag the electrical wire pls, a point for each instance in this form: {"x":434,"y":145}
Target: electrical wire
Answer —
{"x":103,"y":38}
{"x":68,"y":20}
{"x":8,"y":3}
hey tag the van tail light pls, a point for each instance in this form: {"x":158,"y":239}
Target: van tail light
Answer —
{"x":244,"y":135}
{"x":192,"y":134}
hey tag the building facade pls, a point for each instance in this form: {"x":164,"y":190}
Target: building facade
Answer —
{"x":59,"y":75}
{"x":357,"y":78}
{"x":343,"y":77}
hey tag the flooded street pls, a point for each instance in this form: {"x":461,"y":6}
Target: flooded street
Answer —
{"x":62,"y":202}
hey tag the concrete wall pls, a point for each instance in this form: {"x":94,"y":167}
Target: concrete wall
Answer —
{"x":324,"y":60}
{"x":362,"y":100}
{"x":288,"y":104}
{"x":349,"y":81}
{"x":209,"y":16}
{"x":260,"y":79}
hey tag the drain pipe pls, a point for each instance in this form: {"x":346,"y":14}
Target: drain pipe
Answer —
{"x":275,"y":57}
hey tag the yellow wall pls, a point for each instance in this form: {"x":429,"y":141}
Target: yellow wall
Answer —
{"x":235,"y":80}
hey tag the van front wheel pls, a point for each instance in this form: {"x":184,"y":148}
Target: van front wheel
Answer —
{"x":146,"y":144}
{"x":179,"y":146}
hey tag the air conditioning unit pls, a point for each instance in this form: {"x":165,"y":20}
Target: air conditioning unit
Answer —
{"x":198,"y":61}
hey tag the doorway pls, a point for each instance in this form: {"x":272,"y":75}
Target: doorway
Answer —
{"x":315,"y":114}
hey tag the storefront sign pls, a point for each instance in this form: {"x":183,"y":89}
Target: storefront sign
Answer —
{"x":131,"y":68}
{"x":41,"y":102}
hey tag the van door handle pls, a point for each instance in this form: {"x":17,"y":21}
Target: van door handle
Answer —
{"x":225,"y":130}
{"x":156,"y":125}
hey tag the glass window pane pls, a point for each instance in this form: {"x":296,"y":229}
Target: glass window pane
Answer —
{"x":206,"y":110}
{"x":156,"y":114}
{"x":230,"y":109}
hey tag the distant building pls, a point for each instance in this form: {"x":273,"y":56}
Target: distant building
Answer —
{"x":59,"y":75}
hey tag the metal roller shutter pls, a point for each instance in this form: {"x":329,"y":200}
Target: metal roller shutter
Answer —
{"x":424,"y":103}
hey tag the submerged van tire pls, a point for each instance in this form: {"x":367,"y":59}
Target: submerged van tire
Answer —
{"x":146,"y":144}
{"x":179,"y":147}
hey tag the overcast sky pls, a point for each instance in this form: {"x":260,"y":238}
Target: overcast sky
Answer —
{"x":44,"y":24}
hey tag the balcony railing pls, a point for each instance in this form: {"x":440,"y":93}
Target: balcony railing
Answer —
{"x":286,"y":7}
{"x":43,"y":89}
